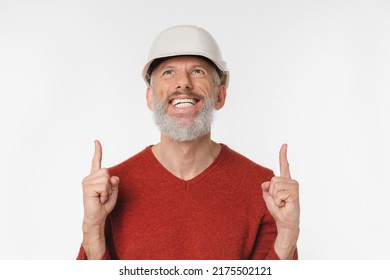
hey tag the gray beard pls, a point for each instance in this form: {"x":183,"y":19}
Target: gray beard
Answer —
{"x":173,"y":128}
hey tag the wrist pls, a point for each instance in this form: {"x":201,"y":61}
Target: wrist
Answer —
{"x":286,"y":244}
{"x":94,"y":242}
{"x":94,"y":246}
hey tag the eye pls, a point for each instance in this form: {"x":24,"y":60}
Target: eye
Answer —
{"x":198,"y":72}
{"x":167,"y":72}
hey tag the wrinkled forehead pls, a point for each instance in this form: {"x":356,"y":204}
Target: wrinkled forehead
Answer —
{"x":192,"y":59}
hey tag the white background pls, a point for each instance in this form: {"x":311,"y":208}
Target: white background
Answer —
{"x":314,"y":74}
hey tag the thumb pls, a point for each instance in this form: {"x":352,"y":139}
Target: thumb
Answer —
{"x":114,"y":180}
{"x":268,"y":199}
{"x":265,"y":186}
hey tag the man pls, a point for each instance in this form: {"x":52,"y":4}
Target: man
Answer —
{"x":188,"y":197}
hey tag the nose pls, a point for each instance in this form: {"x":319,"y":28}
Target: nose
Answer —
{"x":184,"y":81}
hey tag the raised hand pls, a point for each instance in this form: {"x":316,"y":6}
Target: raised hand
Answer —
{"x":100,"y":193}
{"x":281,"y":196}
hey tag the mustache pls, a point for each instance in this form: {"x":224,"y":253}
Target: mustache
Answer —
{"x":189,"y":93}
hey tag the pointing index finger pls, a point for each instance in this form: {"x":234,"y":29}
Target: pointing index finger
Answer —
{"x":283,"y":163}
{"x":97,"y":157}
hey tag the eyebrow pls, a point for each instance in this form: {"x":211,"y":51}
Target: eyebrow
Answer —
{"x":159,"y":61}
{"x":192,"y":66}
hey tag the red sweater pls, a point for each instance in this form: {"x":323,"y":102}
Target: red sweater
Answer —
{"x":219,"y":214}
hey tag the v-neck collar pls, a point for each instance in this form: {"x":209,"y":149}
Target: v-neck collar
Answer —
{"x":169,"y":175}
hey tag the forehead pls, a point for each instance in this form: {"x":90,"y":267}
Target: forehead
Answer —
{"x":185,"y":61}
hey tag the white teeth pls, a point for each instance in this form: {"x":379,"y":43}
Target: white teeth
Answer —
{"x":183,"y":105}
{"x":184,"y":102}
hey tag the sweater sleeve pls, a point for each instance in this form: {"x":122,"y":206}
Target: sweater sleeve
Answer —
{"x":83,"y":256}
{"x":266,"y":235}
{"x":264,"y":247}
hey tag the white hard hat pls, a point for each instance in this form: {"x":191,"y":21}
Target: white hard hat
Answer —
{"x":186,"y":40}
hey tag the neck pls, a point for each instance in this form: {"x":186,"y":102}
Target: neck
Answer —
{"x":187,"y":159}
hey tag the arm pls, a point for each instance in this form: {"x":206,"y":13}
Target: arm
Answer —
{"x":100,"y":192}
{"x":281,"y":196}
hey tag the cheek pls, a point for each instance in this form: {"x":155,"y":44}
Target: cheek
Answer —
{"x":208,"y":92}
{"x":162,"y":91}
{"x":206,"y":88}
{"x":158,"y":92}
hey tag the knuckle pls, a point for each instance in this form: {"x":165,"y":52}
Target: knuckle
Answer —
{"x":295,"y":182}
{"x":107,"y":186}
{"x":104,"y":171}
{"x":85,"y":181}
{"x":102,"y":174}
{"x":278,"y":185}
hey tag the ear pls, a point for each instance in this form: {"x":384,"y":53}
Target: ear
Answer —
{"x":221,"y":97}
{"x":149,"y":98}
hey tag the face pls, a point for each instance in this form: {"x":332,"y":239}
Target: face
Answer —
{"x":183,"y":95}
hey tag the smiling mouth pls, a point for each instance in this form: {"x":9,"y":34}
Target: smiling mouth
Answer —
{"x":184,"y":102}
